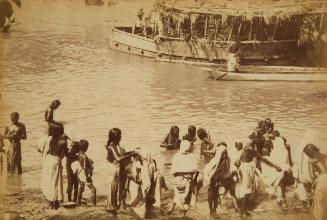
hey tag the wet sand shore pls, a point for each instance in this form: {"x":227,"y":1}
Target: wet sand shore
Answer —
{"x":29,"y":204}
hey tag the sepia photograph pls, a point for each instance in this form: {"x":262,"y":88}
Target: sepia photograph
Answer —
{"x":163,"y":109}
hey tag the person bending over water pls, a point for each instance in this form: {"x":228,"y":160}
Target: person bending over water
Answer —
{"x":172,"y":140}
{"x":247,"y":166}
{"x":15,"y":133}
{"x":117,"y":157}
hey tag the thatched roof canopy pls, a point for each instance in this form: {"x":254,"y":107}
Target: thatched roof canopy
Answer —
{"x":249,"y":11}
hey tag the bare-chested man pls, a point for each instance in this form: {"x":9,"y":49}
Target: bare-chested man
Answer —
{"x":15,"y":133}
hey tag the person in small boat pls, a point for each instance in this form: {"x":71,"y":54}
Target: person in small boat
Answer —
{"x":52,"y":178}
{"x":172,"y":140}
{"x":83,"y":171}
{"x":247,"y":167}
{"x":233,"y":62}
{"x":206,"y":144}
{"x":218,"y":173}
{"x":281,"y":156}
{"x":117,"y":157}
{"x":72,"y":180}
{"x":146,"y":26}
{"x":191,"y":134}
{"x":138,"y":22}
{"x":186,"y":178}
{"x":15,"y":133}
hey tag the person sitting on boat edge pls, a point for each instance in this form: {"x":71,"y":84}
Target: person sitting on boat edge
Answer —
{"x":172,"y":140}
{"x":137,"y":29}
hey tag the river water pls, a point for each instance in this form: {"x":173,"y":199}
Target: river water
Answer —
{"x":60,"y":51}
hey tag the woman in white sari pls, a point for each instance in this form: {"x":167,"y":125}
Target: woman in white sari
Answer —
{"x":54,"y":149}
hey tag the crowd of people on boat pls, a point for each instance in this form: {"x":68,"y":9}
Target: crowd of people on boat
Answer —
{"x":266,"y":159}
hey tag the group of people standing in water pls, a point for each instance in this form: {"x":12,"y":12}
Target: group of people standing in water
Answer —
{"x":266,"y":159}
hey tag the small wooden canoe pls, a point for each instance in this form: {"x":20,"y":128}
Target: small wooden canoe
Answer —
{"x":295,"y":74}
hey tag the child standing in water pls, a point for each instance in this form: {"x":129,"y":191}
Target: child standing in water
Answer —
{"x":72,"y":181}
{"x":83,"y":171}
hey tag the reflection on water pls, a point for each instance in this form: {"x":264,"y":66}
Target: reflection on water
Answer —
{"x":50,"y":57}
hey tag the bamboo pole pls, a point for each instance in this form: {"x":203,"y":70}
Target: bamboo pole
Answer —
{"x":239,"y":28}
{"x":206,"y":26}
{"x":322,"y":19}
{"x":217,"y":29}
{"x":275,"y":28}
{"x":191,"y":28}
{"x":251,"y":29}
{"x":231,"y":31}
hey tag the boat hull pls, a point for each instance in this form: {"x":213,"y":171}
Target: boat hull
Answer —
{"x":123,"y":40}
{"x":295,"y":75}
{"x":201,"y":51}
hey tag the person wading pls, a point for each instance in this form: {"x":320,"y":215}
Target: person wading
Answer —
{"x":116,"y":156}
{"x":15,"y":133}
{"x":52,"y":178}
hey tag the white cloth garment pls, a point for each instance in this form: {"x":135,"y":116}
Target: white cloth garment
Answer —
{"x":183,"y":161}
{"x":278,"y":156}
{"x":43,"y":147}
{"x":52,"y":180}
